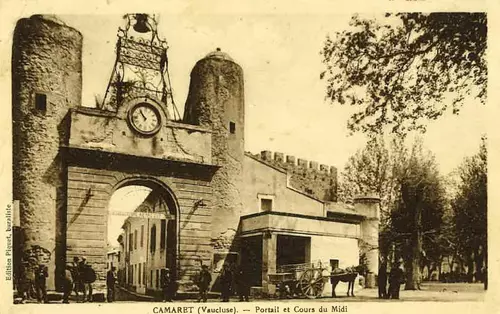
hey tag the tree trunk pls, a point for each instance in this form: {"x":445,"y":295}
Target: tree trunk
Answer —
{"x":478,"y":261}
{"x":470,"y":266}
{"x":413,"y":274}
{"x":485,"y":275}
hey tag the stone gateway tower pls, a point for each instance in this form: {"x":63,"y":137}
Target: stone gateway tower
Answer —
{"x":210,"y":202}
{"x":46,"y":83}
{"x":216,"y":101}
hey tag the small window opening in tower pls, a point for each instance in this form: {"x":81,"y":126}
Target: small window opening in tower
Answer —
{"x":266,"y":204}
{"x":232,"y":127}
{"x":41,"y":102}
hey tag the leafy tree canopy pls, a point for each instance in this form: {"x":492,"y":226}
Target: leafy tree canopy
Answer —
{"x":470,"y":203}
{"x":406,"y":68}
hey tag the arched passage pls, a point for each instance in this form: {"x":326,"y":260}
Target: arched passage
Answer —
{"x":143,"y":215}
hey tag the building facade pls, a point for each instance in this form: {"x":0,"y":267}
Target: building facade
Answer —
{"x":219,"y":203}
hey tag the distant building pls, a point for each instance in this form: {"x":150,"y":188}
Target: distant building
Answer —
{"x":114,"y":256}
{"x":148,"y":249}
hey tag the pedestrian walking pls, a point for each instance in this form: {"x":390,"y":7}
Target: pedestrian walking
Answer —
{"x":395,"y":280}
{"x":382,"y":280}
{"x":110,"y":284}
{"x":203,"y":281}
{"x":68,"y":283}
{"x":226,"y":280}
{"x":167,"y":285}
{"x":242,"y":284}
{"x":41,"y":275}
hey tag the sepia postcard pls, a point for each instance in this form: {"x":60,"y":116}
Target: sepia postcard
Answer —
{"x":193,"y":158}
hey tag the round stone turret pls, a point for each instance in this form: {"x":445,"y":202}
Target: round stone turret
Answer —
{"x":46,"y":82}
{"x":216,"y":101}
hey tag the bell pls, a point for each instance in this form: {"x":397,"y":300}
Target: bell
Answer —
{"x":141,"y":25}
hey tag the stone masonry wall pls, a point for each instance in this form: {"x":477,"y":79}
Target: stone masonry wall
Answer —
{"x":310,"y":177}
{"x":46,"y":59}
{"x":89,"y":191}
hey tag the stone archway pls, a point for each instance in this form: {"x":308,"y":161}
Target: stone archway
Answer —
{"x":92,"y":178}
{"x":160,"y":200}
{"x":88,"y":194}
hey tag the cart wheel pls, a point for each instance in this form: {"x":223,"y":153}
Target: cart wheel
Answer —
{"x":311,"y":283}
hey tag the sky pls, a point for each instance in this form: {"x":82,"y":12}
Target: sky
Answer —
{"x":280,"y":56}
{"x":285,"y":106}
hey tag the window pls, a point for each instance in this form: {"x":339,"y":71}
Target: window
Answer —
{"x":142,"y":235}
{"x":139,"y":273}
{"x":129,"y":275}
{"x":153,"y":239}
{"x":133,"y":274}
{"x":157,"y":278}
{"x":130,"y":242}
{"x":41,"y":102}
{"x":151,"y":278}
{"x":232,"y":127}
{"x":334,"y":263}
{"x":266,"y":204}
{"x":162,"y":233}
{"x":135,"y":239}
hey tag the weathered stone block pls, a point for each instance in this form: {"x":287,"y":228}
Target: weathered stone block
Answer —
{"x":266,"y":155}
{"x":279,"y":157}
{"x":302,"y":163}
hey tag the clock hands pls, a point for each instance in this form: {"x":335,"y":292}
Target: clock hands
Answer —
{"x":145,"y":120}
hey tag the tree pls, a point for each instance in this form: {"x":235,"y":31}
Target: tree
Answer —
{"x":406,"y":68}
{"x":418,"y":210}
{"x":413,"y":201}
{"x":369,"y":171}
{"x":470,"y":206}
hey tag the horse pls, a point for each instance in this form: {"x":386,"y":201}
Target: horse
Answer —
{"x":345,"y":275}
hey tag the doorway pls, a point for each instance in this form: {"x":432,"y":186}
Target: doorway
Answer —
{"x":251,"y":259}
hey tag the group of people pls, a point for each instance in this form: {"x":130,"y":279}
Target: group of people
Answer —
{"x":395,"y":278}
{"x":33,"y":283}
{"x":78,"y":277}
{"x":230,"y":281}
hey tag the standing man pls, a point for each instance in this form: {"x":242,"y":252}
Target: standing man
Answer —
{"x":203,"y":281}
{"x":110,"y":284}
{"x":242,"y":283}
{"x":167,"y":286}
{"x":41,"y":275}
{"x":226,"y":279}
{"x":88,"y":276}
{"x":68,"y":283}
{"x":395,"y":280}
{"x":76,"y":282}
{"x":382,"y":280}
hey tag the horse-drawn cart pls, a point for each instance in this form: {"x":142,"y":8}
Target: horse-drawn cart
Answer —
{"x":308,"y":280}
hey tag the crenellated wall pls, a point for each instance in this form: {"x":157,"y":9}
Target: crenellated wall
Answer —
{"x":315,"y":179}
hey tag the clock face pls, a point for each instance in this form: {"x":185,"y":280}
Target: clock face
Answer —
{"x":145,"y":118}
